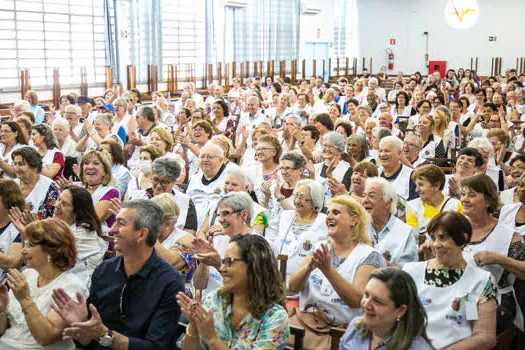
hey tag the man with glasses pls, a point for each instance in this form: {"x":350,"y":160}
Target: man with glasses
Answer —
{"x":132,"y":302}
{"x":411,"y":147}
{"x":206,"y":187}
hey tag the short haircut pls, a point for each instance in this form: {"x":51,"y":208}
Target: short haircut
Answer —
{"x":483,"y":143}
{"x":30,"y":156}
{"x":346,"y":125}
{"x":335,"y":139}
{"x":166,"y":167}
{"x":223,"y":105}
{"x":369,"y":167}
{"x":472,"y":152}
{"x":204,"y":124}
{"x":394,"y":140}
{"x":325,"y":120}
{"x":75,"y":108}
{"x":238,"y":201}
{"x":20,"y":137}
{"x":104,"y":157}
{"x":388,"y":191}
{"x":152,"y":150}
{"x":296,"y":157}
{"x":236,"y":170}
{"x":275,"y":144}
{"x":483,"y":184}
{"x":11,"y":195}
{"x":147,"y":112}
{"x":61,"y":122}
{"x":56,"y":239}
{"x":432,"y":173}
{"x":502,"y":136}
{"x":316,"y":192}
{"x":516,"y":158}
{"x":148,"y":215}
{"x":453,"y":224}
{"x":313,"y":131}
{"x":361,"y":140}
{"x":165,"y":136}
{"x":169,"y":206}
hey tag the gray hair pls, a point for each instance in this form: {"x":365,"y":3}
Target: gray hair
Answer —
{"x":366,"y":108}
{"x":316,"y":192}
{"x":361,"y":140}
{"x":483,"y":143}
{"x":220,"y":151}
{"x":121,"y":100}
{"x":76,"y":109}
{"x":62,"y":123}
{"x":380,"y":132}
{"x":445,"y":110}
{"x":253,"y":97}
{"x":419,"y":142}
{"x":235,"y":170}
{"x":169,"y":206}
{"x":336,"y":139}
{"x":296,"y":117}
{"x":105,"y":118}
{"x":166,"y":167}
{"x":389,"y":193}
{"x":148,"y":215}
{"x":396,"y":141}
{"x":24,"y":105}
{"x":296,"y":157}
{"x":238,"y":201}
{"x":49,"y":137}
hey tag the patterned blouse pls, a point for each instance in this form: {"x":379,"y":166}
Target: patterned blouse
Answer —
{"x":270,"y":332}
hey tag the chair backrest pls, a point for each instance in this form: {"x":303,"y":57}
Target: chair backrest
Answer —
{"x":298,"y":333}
{"x":282,"y":266}
{"x":336,"y":333}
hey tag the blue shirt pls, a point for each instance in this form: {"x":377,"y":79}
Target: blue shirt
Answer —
{"x":353,"y":340}
{"x":409,"y":252}
{"x":142,"y":306}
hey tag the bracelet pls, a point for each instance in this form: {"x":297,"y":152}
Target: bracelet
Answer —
{"x":188,"y":333}
{"x":27,"y":307}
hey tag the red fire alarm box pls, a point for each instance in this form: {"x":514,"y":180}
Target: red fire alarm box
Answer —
{"x":437,"y":66}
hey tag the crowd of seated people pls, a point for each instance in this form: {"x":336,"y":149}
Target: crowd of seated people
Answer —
{"x":396,"y":203}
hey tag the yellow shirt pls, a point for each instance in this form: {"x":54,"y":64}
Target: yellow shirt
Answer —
{"x":428,"y":213}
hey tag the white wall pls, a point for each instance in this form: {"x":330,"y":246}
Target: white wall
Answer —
{"x":406,"y":20}
{"x":319,"y":27}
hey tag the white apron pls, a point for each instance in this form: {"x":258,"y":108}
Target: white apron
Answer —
{"x":338,"y":173}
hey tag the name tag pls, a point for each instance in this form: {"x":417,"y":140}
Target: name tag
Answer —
{"x":471,"y":310}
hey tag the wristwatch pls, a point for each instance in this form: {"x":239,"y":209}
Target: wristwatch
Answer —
{"x":106,"y":339}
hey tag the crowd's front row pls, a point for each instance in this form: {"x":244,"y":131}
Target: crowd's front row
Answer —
{"x":135,"y":299}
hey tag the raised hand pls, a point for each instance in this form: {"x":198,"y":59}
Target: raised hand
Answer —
{"x":68,"y":309}
{"x":114,"y":205}
{"x":91,"y":329}
{"x":17,"y":219}
{"x":62,"y":182}
{"x":4,"y":298}
{"x":321,"y":258}
{"x":18,"y":285}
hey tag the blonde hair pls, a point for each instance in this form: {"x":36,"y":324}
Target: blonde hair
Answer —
{"x":224,"y":143}
{"x":165,"y":136}
{"x":169,"y":206}
{"x":105,"y":159}
{"x":443,"y":122}
{"x":359,"y":232}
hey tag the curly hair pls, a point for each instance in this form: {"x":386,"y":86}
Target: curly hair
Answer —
{"x":56,"y":239}
{"x":271,"y":140}
{"x":264,"y":280}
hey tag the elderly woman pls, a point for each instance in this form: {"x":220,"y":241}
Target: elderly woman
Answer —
{"x":357,"y":147}
{"x":480,"y":199}
{"x":201,"y":132}
{"x":161,"y":139}
{"x":164,"y":174}
{"x":252,"y":294}
{"x":333,"y":165}
{"x":459,"y":297}
{"x":46,"y":144}
{"x":66,"y":144}
{"x":516,"y":169}
{"x":39,"y":113}
{"x":268,"y":152}
{"x":95,"y":175}
{"x":11,"y":138}
{"x":96,"y":133}
{"x":392,"y":295}
{"x":234,"y":212}
{"x":361,"y":172}
{"x":488,"y":166}
{"x":173,"y":244}
{"x":469,"y":160}
{"x":430,"y":181}
{"x":302,"y":228}
{"x":10,"y":241}
{"x":237,"y":180}
{"x":141,"y":177}
{"x":27,"y":320}
{"x":39,"y":191}
{"x":334,"y":277}
{"x":221,"y":123}
{"x":401,"y":110}
{"x":513,"y":215}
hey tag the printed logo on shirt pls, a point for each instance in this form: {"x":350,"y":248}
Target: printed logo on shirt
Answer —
{"x":387,"y":255}
{"x":217,"y":190}
{"x":458,"y":319}
{"x":316,"y":280}
{"x":307,"y":245}
{"x":425,"y":301}
{"x":456,"y":304}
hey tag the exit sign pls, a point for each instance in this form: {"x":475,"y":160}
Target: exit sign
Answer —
{"x":392,"y":41}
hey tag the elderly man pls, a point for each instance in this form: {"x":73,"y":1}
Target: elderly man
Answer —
{"x":393,"y":170}
{"x":411,"y":147}
{"x":190,"y":89}
{"x":322,"y":106}
{"x":391,"y":237}
{"x":164,"y":174}
{"x":132,"y":297}
{"x":373,"y":86}
{"x":252,"y":117}
{"x":386,"y":121}
{"x":76,"y":128}
{"x":206,"y":187}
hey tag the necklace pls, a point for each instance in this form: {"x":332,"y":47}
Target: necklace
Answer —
{"x":93,"y":186}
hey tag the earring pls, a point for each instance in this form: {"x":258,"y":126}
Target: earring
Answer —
{"x":398,"y":319}
{"x":48,"y":258}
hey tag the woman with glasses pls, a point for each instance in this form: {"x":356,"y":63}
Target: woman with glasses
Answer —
{"x":303,"y":227}
{"x":332,"y":280}
{"x":53,"y":160}
{"x":27,"y":320}
{"x":11,"y":138}
{"x":267,"y":154}
{"x":248,"y":311}
{"x":200,"y":133}
{"x":98,"y":132}
{"x":333,"y":165}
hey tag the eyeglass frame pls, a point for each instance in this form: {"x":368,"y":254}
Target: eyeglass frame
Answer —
{"x":228,"y":262}
{"x":163,"y":183}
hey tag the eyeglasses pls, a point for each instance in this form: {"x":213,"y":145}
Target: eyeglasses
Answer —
{"x":225,"y":213}
{"x":303,"y":198}
{"x":229,"y":261}
{"x":156,"y":180}
{"x":410,"y":144}
{"x":29,"y":244}
{"x":287,"y":168}
{"x":327,"y":145}
{"x":6,"y":131}
{"x":262,"y":149}
{"x":208,"y":156}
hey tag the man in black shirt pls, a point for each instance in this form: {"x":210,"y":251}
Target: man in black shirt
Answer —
{"x":132,"y":301}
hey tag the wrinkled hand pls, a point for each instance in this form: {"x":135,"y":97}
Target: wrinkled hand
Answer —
{"x":114,"y":205}
{"x":487,"y":258}
{"x":210,"y":259}
{"x":202,"y":246}
{"x":91,"y":329}
{"x":453,"y":187}
{"x":68,"y":309}
{"x":62,"y":182}
{"x":18,"y":284}
{"x":321,"y":258}
{"x":427,"y":250}
{"x":265,"y":187}
{"x":310,"y":167}
{"x":4,"y":297}
{"x":18,"y":220}
{"x":215,"y":230}
{"x":336,"y":187}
